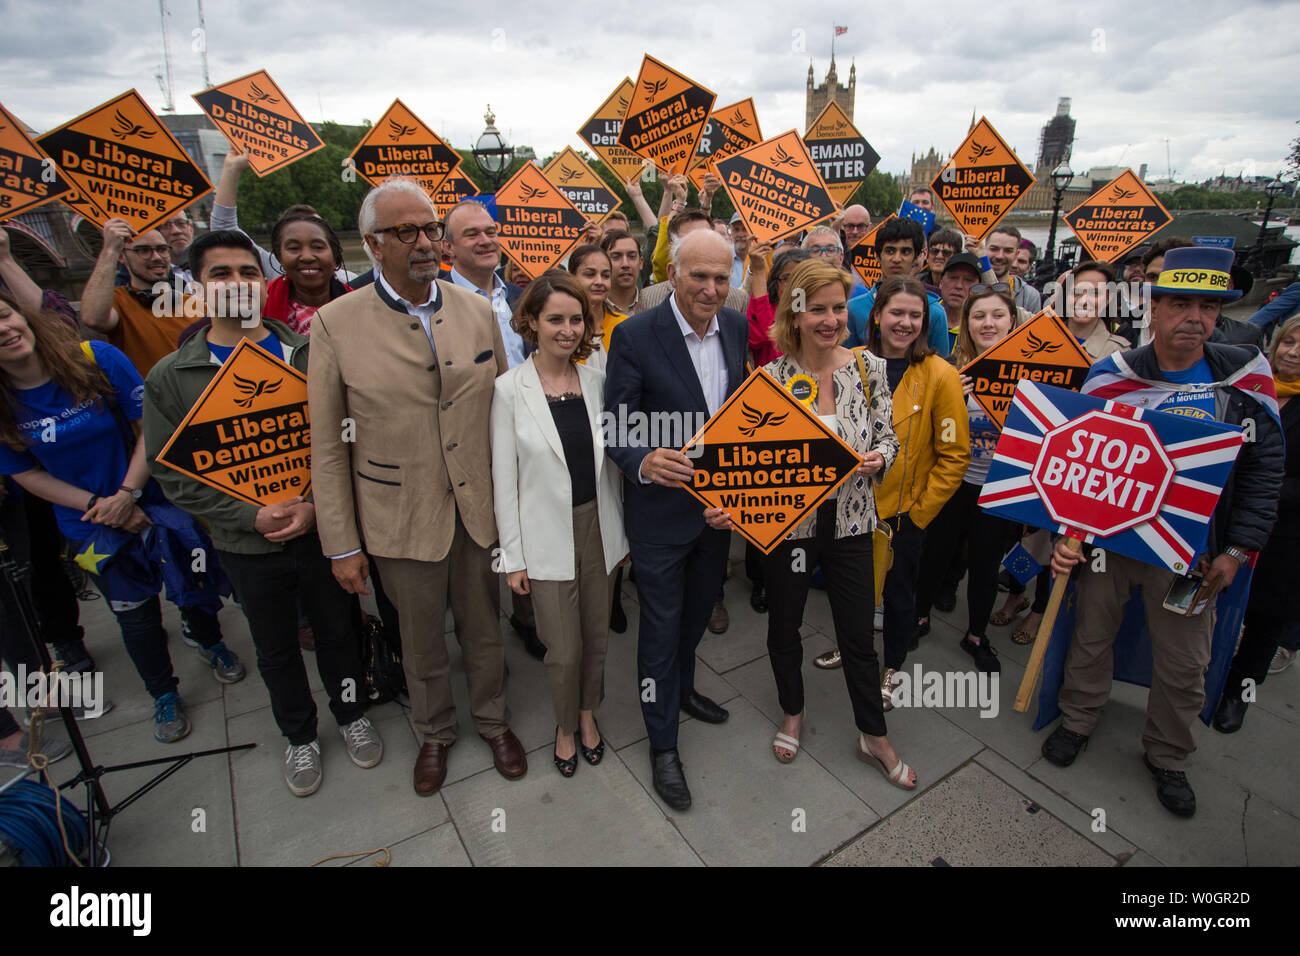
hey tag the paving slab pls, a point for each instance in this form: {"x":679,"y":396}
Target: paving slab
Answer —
{"x":1261,"y":757}
{"x":1272,"y":835}
{"x":354,"y":809}
{"x":748,"y":807}
{"x":439,"y":846}
{"x":972,"y":818}
{"x":600,"y":816}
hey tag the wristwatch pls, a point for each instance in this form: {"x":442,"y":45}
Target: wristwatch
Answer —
{"x":135,"y":492}
{"x":1242,"y":557}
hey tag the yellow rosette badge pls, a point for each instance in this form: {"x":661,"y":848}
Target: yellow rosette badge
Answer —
{"x":803,"y":388}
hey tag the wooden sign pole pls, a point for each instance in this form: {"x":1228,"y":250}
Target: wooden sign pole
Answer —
{"x":1035,"y":666}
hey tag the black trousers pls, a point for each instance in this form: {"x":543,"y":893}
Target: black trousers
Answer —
{"x":900,"y":588}
{"x":850,"y":586}
{"x":268,"y":586}
{"x":676,"y":586}
{"x":1270,"y":612}
{"x":985,"y":535}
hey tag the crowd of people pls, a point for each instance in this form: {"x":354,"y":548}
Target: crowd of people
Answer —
{"x":457,"y":438}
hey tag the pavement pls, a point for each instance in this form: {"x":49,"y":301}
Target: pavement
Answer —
{"x":985,"y":796}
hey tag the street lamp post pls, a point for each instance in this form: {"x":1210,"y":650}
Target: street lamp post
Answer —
{"x":1256,"y":259}
{"x":492,"y":153}
{"x":1062,"y":176}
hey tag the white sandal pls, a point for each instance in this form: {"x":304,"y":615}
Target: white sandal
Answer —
{"x":897,"y":776}
{"x":785,"y":742}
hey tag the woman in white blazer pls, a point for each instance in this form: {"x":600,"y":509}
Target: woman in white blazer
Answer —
{"x":559,"y":502}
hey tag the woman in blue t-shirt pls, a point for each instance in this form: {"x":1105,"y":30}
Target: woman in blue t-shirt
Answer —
{"x":987,"y":318}
{"x":66,"y":436}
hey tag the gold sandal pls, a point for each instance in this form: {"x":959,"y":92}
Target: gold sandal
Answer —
{"x":1003,"y":618}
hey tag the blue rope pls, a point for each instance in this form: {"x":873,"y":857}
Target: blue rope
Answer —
{"x":28,"y":825}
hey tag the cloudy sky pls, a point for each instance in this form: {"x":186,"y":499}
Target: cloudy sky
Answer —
{"x":1215,"y":79}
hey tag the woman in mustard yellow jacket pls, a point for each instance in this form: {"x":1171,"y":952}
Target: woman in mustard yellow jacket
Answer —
{"x":933,"y":431}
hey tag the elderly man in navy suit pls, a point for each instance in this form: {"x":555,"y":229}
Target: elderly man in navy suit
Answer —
{"x":686,"y":355}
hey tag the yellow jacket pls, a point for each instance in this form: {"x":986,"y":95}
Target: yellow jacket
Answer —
{"x":933,"y":430}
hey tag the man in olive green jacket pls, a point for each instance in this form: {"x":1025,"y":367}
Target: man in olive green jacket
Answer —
{"x":272,"y":553}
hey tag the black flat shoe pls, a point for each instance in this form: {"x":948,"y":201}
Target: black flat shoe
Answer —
{"x":593,"y":755}
{"x":532,"y":644}
{"x":701,"y":708}
{"x":758,"y":599}
{"x":1172,"y":789}
{"x":1231,"y":713}
{"x":986,"y":658}
{"x":567,"y":767}
{"x":669,"y":781}
{"x":1063,"y":746}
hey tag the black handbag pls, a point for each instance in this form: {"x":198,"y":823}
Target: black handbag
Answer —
{"x":381,"y":662}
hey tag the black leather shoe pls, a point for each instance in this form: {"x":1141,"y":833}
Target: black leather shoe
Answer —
{"x":758,"y":599}
{"x":532,"y":645}
{"x":986,"y":658}
{"x":669,"y":781}
{"x":1172,"y":789}
{"x":1063,"y":746}
{"x":701,"y":708}
{"x":1231,"y":712}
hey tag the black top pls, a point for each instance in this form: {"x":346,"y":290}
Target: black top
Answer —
{"x":894,"y":371}
{"x":1288,"y":506}
{"x":570,"y":414}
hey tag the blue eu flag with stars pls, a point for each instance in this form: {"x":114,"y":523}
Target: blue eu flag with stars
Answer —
{"x":923,"y":216}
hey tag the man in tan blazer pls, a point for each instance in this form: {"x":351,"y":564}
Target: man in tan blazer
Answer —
{"x":400,"y":387}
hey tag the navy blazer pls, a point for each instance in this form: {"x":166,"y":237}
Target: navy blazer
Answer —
{"x":649,"y":370}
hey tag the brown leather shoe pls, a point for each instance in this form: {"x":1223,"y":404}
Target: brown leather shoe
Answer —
{"x":508,"y":755}
{"x":719,"y":620}
{"x":431,"y":768}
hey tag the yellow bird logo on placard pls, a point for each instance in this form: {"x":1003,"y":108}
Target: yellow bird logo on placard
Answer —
{"x":653,"y":87}
{"x":123,"y":127}
{"x":398,"y":130}
{"x":1035,"y":345}
{"x":567,"y":175}
{"x":758,"y":419}
{"x":529,"y":193}
{"x":978,"y":152}
{"x":254,"y":390}
{"x":255,"y":95}
{"x":737,"y":119}
{"x":1120,"y":193}
{"x":781,"y":157}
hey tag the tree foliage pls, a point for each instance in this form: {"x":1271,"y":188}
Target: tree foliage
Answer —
{"x":318,"y":180}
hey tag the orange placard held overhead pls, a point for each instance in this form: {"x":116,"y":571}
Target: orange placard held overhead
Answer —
{"x":728,"y":131}
{"x":775,"y":187}
{"x":666,"y":117}
{"x":255,"y":115}
{"x":537,"y":225}
{"x":27,"y":176}
{"x":1042,"y":350}
{"x":400,"y":144}
{"x":601,"y":132}
{"x":862,"y":258}
{"x":122,"y":159}
{"x":982,"y":181}
{"x":1117,"y":217}
{"x":249,"y":434}
{"x":843,"y":156}
{"x":767,"y":460}
{"x":581,"y":185}
{"x":84,"y":208}
{"x":451,"y":191}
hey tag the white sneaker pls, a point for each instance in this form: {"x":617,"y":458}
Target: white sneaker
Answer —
{"x":364,"y":746}
{"x":878,"y":619}
{"x":302,"y":768}
{"x":1281,"y":661}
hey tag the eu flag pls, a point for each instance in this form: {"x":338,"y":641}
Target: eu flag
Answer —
{"x":923,"y":216}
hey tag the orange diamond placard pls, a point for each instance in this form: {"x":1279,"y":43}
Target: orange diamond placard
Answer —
{"x":249,"y":433}
{"x":601,"y":132}
{"x":537,"y":224}
{"x":843,"y":156}
{"x":767,"y":460}
{"x":982,"y":181}
{"x":28,"y":177}
{"x":581,"y":185}
{"x":1122,"y":214}
{"x":729,"y":130}
{"x":400,"y":144}
{"x":1042,"y":350}
{"x":775,"y":187}
{"x":451,"y":191}
{"x":863,"y":259}
{"x":665,"y":117}
{"x":255,"y":115}
{"x":121,"y":158}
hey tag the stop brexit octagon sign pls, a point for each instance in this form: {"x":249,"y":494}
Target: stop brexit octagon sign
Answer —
{"x":1140,"y":483}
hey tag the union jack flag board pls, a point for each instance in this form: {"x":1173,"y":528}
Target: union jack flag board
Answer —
{"x":1137,"y":482}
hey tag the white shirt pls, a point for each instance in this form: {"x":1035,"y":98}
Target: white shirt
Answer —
{"x":707,"y":356}
{"x":509,"y":337}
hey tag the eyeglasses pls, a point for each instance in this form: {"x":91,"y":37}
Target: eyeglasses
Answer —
{"x":148,"y":251}
{"x":995,"y":287}
{"x":857,"y":226}
{"x":406,"y":232}
{"x":826,"y":251}
{"x":941,"y":252}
